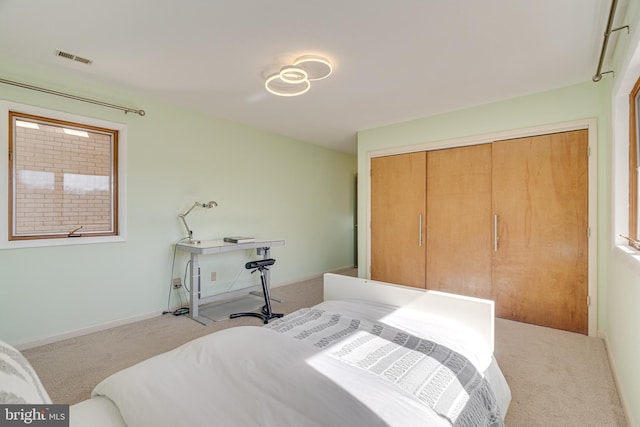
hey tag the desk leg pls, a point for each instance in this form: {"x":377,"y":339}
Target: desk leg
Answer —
{"x":194,"y":292}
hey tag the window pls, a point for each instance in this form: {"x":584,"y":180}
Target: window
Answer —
{"x":634,"y":165}
{"x":63,"y":179}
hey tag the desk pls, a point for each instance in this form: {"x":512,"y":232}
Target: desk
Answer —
{"x":212,"y":247}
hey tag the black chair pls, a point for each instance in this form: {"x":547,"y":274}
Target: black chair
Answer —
{"x":266,"y":313}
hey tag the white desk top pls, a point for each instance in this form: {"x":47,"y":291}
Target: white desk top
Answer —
{"x":216,"y":246}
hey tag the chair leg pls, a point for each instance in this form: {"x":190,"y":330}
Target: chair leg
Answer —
{"x":266,"y":309}
{"x":267,"y":314}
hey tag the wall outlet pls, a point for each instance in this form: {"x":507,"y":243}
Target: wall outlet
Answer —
{"x":214,"y":276}
{"x":177,"y":283}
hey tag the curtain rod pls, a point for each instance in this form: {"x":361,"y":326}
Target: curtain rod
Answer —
{"x":607,"y":33}
{"x":77,"y":98}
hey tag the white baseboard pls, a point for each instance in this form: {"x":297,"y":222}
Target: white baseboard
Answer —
{"x":84,"y":331}
{"x":616,"y":378}
{"x":137,"y":318}
{"x":313,"y":276}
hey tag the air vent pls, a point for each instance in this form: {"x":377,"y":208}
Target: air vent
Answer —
{"x":73,"y":57}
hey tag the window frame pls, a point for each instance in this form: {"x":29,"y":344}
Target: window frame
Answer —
{"x":634,"y":173}
{"x":14,"y":117}
{"x":118,"y":176}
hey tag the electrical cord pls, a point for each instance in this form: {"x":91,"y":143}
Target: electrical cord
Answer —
{"x":180,"y":296}
{"x":185,"y":310}
{"x":184,"y":278}
{"x":230,"y":286}
{"x":240,"y":270}
{"x":182,"y":309}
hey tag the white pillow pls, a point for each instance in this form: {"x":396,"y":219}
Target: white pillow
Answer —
{"x":19,"y":383}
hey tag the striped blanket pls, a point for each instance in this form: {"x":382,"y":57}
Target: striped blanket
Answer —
{"x":435,"y":375}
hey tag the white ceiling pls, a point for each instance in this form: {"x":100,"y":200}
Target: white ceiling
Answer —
{"x":393,"y":60}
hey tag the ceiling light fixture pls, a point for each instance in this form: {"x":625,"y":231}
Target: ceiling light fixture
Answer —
{"x":275,"y":85}
{"x":293,"y":75}
{"x":295,"y":79}
{"x":316,"y":67}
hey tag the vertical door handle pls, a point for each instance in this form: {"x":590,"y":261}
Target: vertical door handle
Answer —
{"x":420,"y":229}
{"x":495,"y":233}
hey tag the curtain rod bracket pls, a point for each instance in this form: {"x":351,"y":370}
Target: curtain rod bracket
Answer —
{"x":620,"y":28}
{"x":598,"y":75}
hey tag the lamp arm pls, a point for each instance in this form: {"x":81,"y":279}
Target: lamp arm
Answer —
{"x":182,"y":216}
{"x":184,"y":221}
{"x":191,"y":208}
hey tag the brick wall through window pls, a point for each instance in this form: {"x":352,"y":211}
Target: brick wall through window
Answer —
{"x":63,"y":178}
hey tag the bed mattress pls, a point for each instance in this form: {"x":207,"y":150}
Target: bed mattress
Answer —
{"x":263,"y":376}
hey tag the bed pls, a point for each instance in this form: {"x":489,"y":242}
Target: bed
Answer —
{"x":371,"y":354}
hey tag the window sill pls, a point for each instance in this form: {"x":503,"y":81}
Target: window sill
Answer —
{"x":19,"y":244}
{"x":629,"y":256}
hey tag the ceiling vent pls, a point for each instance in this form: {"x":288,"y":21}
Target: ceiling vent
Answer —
{"x":73,"y":57}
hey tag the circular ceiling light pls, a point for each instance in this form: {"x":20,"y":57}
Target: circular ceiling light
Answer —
{"x":292,"y":74}
{"x":295,"y":79}
{"x":276,"y":85}
{"x":316,"y":67}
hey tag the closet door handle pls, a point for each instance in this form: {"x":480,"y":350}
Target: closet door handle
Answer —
{"x":420,"y":229}
{"x":495,"y":233}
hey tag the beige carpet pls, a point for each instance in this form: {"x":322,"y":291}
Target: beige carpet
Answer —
{"x":557,"y":378}
{"x":70,"y":369}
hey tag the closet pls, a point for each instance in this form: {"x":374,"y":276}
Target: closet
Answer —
{"x":398,"y":203}
{"x":506,"y":221}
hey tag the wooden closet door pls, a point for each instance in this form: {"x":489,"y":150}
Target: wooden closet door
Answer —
{"x":459,"y":221}
{"x":397,"y":219}
{"x":540,"y":197}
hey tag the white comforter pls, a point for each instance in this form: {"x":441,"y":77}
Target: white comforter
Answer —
{"x":254,"y":376}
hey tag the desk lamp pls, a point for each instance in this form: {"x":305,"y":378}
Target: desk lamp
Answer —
{"x":211,"y":204}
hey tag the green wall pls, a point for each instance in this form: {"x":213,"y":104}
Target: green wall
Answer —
{"x":267,"y":186}
{"x":622,"y":317}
